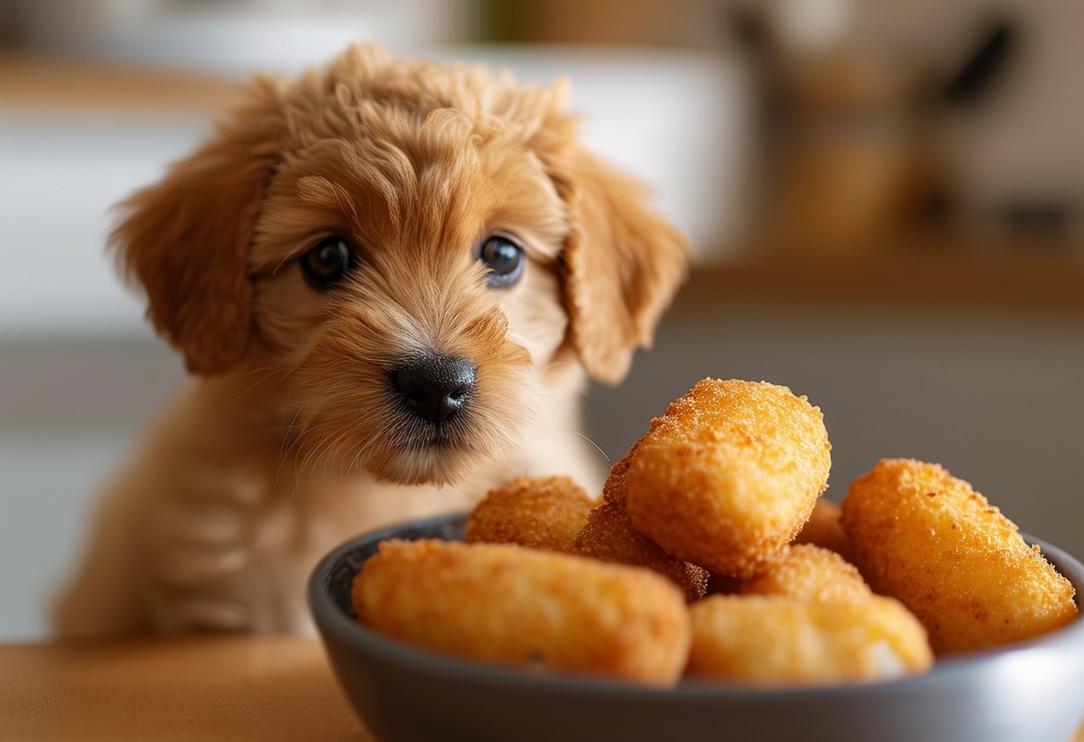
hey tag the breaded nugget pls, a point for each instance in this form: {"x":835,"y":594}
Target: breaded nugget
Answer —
{"x":773,"y":640}
{"x":823,"y":529}
{"x":609,"y":536}
{"x":616,"y":484}
{"x":808,"y":572}
{"x":540,"y":512}
{"x":512,"y":605}
{"x":729,"y":474}
{"x":927,"y":538}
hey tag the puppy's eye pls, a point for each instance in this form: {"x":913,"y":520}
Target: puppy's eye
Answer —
{"x":326,"y":264}
{"x":504,"y":259}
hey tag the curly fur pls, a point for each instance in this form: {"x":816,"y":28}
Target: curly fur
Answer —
{"x":289,"y":437}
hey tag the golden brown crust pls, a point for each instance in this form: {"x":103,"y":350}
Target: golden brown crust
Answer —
{"x":773,"y":640}
{"x":729,"y":474}
{"x":610,"y":537}
{"x":807,"y":572}
{"x":616,"y":484}
{"x":540,"y":512}
{"x":516,"y":606}
{"x":823,"y":529}
{"x":927,"y":538}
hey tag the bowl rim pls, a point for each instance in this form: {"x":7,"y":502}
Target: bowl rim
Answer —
{"x":331,"y":619}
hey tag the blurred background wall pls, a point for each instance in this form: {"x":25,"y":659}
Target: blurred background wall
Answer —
{"x":887,"y":199}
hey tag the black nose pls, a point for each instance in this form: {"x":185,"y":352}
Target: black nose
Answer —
{"x":434,"y":387}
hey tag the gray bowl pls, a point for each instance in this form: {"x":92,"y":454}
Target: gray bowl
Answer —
{"x":1029,"y":692}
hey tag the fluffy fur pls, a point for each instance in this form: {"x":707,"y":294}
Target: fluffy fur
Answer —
{"x":289,"y":439}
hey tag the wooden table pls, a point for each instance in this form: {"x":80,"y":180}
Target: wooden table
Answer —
{"x":220,"y":688}
{"x":193,"y":688}
{"x":215,"y":688}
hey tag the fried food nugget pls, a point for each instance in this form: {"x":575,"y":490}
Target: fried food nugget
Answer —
{"x":617,"y":482}
{"x":927,"y":538}
{"x":729,"y":474}
{"x":808,"y":572}
{"x":774,"y":640}
{"x":540,"y":512}
{"x":512,"y":605}
{"x":610,"y":537}
{"x":823,"y":529}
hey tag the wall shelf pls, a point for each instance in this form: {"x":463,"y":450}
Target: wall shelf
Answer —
{"x":1026,"y":278}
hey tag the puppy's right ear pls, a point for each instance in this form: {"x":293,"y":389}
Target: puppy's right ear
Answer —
{"x":186,"y":239}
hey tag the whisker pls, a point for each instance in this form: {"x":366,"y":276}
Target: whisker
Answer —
{"x":593,"y":444}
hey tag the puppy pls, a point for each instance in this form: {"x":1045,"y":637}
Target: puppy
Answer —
{"x":389,"y":280}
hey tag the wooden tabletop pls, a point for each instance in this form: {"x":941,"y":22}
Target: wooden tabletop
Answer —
{"x":194,"y":688}
{"x":235,"y":688}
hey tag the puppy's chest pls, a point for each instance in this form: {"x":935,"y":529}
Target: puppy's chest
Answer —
{"x":295,"y":531}
{"x":339,"y":510}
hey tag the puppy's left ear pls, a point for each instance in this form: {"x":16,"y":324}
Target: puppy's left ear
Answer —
{"x":621,"y":261}
{"x":186,"y":239}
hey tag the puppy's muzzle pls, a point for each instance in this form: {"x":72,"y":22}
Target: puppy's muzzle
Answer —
{"x":434,"y":387}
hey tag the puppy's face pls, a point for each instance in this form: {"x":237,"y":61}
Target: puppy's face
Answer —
{"x":414,"y":247}
{"x":405,"y":274}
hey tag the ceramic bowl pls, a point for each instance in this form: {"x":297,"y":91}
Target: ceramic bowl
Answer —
{"x":1027,"y":692}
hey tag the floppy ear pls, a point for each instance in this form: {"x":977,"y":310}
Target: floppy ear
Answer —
{"x":621,"y":262}
{"x":186,"y":239}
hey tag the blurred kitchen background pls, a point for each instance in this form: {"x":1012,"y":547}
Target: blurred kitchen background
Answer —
{"x":887,"y":199}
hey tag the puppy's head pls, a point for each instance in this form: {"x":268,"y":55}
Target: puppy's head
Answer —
{"x":419,"y":249}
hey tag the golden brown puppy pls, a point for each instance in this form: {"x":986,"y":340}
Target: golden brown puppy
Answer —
{"x":380,"y":275}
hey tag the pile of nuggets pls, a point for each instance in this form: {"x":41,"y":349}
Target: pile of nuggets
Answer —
{"x":712,"y":556}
